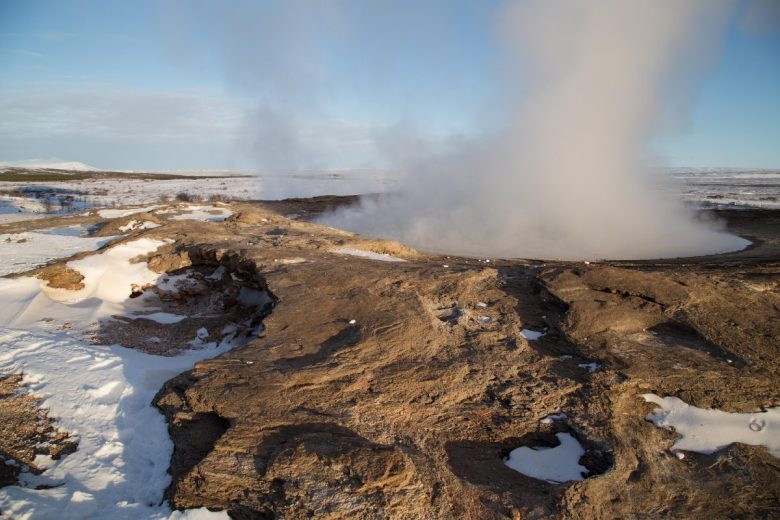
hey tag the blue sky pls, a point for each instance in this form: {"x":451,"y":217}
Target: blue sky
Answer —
{"x":179,"y":85}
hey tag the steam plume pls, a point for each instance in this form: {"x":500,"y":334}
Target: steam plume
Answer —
{"x":570,"y":175}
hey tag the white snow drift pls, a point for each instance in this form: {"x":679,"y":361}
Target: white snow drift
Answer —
{"x":21,"y":252}
{"x":100,"y":394}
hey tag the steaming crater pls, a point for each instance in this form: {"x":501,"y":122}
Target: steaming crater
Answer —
{"x":533,"y":237}
{"x":568,"y":176}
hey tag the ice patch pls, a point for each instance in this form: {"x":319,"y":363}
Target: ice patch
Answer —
{"x":366,"y":254}
{"x":555,"y":465}
{"x":66,"y":231}
{"x":531,"y":335}
{"x":708,"y":430}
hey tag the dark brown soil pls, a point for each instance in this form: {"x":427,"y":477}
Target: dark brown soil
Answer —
{"x":409,"y":411}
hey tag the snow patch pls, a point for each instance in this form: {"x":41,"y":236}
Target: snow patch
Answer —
{"x":119,"y":213}
{"x":366,"y":254}
{"x":136,"y":225}
{"x":104,"y":399}
{"x":590,"y":367}
{"x":553,"y":417}
{"x":204,"y":213}
{"x":708,"y":430}
{"x":531,"y":335}
{"x":555,"y":465}
{"x":17,"y":216}
{"x":21,"y":252}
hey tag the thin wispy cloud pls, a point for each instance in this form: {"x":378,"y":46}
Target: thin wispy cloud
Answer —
{"x":24,"y":52}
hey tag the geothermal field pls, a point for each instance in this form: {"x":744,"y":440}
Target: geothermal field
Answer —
{"x":538,"y":312}
{"x":237,"y":358}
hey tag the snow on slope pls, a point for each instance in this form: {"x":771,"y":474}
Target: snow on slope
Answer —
{"x":103,"y":396}
{"x":100,"y":394}
{"x":42,"y":164}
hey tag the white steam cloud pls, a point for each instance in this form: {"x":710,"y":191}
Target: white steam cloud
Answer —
{"x":570,"y":176}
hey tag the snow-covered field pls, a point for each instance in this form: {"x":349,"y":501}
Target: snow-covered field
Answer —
{"x":101,"y":395}
{"x":729,"y":187}
{"x":21,"y":252}
{"x":80,"y":195}
{"x":708,"y":187}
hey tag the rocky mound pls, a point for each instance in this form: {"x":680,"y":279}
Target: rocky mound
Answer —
{"x":397,"y":389}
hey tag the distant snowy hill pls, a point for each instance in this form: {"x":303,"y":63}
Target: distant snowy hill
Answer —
{"x":49,"y":165}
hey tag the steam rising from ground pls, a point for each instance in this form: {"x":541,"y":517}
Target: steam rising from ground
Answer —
{"x":570,"y":175}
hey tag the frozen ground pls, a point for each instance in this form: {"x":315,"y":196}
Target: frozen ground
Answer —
{"x":100,"y":394}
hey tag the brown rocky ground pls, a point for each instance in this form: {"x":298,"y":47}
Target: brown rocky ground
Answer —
{"x":25,"y":432}
{"x":409,"y":410}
